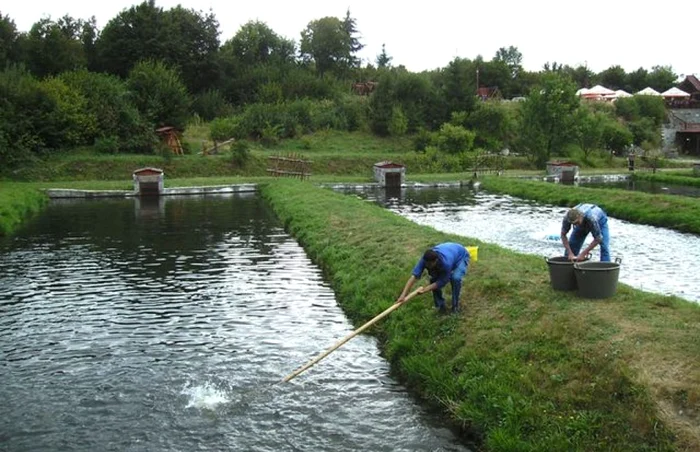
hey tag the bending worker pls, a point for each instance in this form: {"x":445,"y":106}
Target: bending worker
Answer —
{"x":446,"y":262}
{"x":586,"y":218}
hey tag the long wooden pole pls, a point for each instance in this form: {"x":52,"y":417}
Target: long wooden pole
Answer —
{"x":350,"y":336}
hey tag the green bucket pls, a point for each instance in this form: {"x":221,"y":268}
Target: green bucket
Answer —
{"x":597,"y":279}
{"x":561,"y":273}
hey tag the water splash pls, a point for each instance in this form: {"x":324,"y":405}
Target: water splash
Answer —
{"x":205,"y":396}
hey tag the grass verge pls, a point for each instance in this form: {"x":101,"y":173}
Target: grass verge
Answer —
{"x":674,"y":178}
{"x":17,"y":202}
{"x":524,"y":368}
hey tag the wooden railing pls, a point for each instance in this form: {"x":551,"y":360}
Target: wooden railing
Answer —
{"x":293,"y":165}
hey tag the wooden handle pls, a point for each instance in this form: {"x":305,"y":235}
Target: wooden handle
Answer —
{"x":351,"y":335}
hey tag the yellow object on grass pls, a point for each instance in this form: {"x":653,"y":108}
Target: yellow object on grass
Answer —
{"x":473,"y":253}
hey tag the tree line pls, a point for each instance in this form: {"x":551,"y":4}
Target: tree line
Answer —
{"x":67,"y":84}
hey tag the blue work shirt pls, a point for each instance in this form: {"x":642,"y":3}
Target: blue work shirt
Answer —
{"x":450,"y":255}
{"x":592,"y":216}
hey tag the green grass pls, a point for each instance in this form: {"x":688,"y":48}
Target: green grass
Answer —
{"x":17,"y":202}
{"x":524,"y":368}
{"x":674,"y":178}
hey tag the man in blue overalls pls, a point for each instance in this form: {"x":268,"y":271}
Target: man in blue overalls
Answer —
{"x":586,"y":218}
{"x":446,"y":262}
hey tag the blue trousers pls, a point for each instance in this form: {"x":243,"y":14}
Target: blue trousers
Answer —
{"x":578,"y":235}
{"x":456,"y":283}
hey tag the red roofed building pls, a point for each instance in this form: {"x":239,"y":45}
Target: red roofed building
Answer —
{"x":485,"y":93}
{"x":691,"y":85}
{"x":389,"y":174}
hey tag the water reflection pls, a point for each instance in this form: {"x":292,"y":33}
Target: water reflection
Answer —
{"x":646,"y":187}
{"x":653,"y":259}
{"x":168,"y":325}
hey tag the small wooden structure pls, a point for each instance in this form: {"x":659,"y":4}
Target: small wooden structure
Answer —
{"x":215,"y":148}
{"x":488,"y":163}
{"x":566,"y":171}
{"x":293,"y":165}
{"x":148,"y":181}
{"x":364,"y":88}
{"x":389,"y":174}
{"x":489,"y":93}
{"x":691,"y":85}
{"x":169,"y":136}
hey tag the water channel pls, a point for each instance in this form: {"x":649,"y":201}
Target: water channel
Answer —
{"x":654,"y":259}
{"x":645,"y":186}
{"x":168,"y":325}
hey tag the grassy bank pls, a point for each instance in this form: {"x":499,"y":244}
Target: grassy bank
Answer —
{"x":17,"y":202}
{"x":523,"y":368}
{"x":675,"y":212}
{"x":331,"y":152}
{"x":672,"y":178}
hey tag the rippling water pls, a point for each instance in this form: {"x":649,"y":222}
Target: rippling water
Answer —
{"x":654,"y":259}
{"x":168,"y":325}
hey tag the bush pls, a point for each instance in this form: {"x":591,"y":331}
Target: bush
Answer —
{"x":68,"y":124}
{"x":107,"y":145}
{"x":211,"y":104}
{"x":159,"y":94}
{"x":641,"y":107}
{"x":354,"y":111}
{"x":616,"y":137}
{"x":422,"y":139}
{"x":398,"y":125}
{"x":645,"y":131}
{"x":454,"y":139}
{"x":435,"y":161}
{"x":651,"y":107}
{"x":109,"y":101}
{"x":222,"y":129}
{"x":23,"y":106}
{"x":270,"y":93}
{"x":324,"y":115}
{"x":271,"y":134}
{"x":492,"y":122}
{"x":240,"y":152}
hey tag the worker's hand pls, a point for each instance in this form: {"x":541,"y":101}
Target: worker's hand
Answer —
{"x":582,"y":257}
{"x":421,"y":290}
{"x":571,"y":256}
{"x":400,"y":300}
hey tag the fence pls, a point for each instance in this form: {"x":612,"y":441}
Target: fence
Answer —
{"x":488,"y":164}
{"x":293,"y":165}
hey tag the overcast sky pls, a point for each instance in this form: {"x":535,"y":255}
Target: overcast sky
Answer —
{"x":430,"y":34}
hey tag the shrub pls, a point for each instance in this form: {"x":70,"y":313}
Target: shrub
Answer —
{"x":240,"y":152}
{"x":159,"y":94}
{"x":109,"y":101}
{"x":107,"y":145}
{"x":211,"y":104}
{"x":398,"y":125}
{"x":422,"y":139}
{"x":222,"y":129}
{"x":455,"y":139}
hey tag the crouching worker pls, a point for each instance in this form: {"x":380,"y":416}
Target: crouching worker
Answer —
{"x":446,"y":262}
{"x":585,"y":219}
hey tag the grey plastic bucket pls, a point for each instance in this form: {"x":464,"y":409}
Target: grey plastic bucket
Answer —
{"x":561,"y":273}
{"x":597,"y":279}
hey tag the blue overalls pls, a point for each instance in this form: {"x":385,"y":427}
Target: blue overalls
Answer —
{"x":594,"y":221}
{"x":452,"y":266}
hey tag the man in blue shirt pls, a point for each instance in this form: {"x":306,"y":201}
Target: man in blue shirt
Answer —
{"x":586,"y":218}
{"x":446,"y":262}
